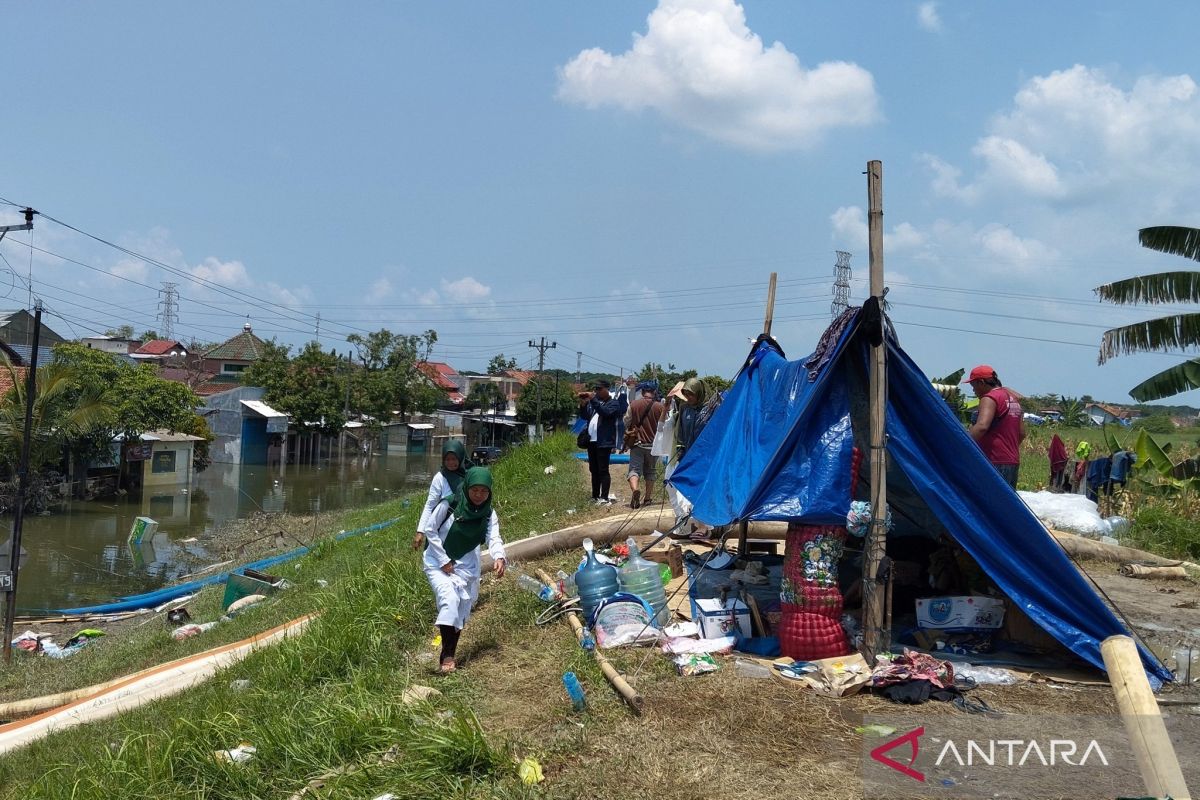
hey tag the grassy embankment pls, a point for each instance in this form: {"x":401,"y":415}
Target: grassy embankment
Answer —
{"x":1162,"y":523}
{"x":323,"y":700}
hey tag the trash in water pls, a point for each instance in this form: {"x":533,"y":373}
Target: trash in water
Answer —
{"x":238,"y":755}
{"x":530,"y":772}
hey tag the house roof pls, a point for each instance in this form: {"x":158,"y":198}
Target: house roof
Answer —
{"x":25,"y":353}
{"x":159,"y":347}
{"x":521,"y":376}
{"x":243,"y":347}
{"x":441,"y":374}
{"x":6,"y":378}
{"x":1119,"y":413}
{"x":167,"y":436}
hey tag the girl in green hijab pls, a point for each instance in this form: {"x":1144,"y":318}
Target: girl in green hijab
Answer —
{"x":456,"y":530}
{"x":445,"y":482}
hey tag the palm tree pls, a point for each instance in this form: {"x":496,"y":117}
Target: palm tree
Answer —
{"x":56,"y":422}
{"x":1163,"y":333}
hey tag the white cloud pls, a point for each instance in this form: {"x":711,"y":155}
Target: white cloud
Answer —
{"x":700,"y":66}
{"x":229,"y":274}
{"x":927,"y":17}
{"x":1001,"y":243}
{"x":849,"y":224}
{"x":381,"y":289}
{"x":1075,"y":135}
{"x":465,"y":290}
{"x":132,"y":269}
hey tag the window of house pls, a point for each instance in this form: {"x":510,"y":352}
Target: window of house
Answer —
{"x":163,"y":461}
{"x":233,"y":368}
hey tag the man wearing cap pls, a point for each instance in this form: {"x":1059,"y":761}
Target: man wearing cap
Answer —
{"x":642,"y":419}
{"x":602,"y":411}
{"x":999,"y":427}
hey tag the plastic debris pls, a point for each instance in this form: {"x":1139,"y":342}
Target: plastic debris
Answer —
{"x":695,"y":664}
{"x":418,"y":694}
{"x":875,"y":730}
{"x":322,"y":583}
{"x":241,"y":604}
{"x":240,"y":685}
{"x":188,"y":631}
{"x":530,"y":772}
{"x":179,"y":616}
{"x":238,"y":755}
{"x":1073,"y":513}
{"x":550,"y":470}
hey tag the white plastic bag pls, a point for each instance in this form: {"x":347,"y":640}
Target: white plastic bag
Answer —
{"x":664,"y":437}
{"x":594,"y":427}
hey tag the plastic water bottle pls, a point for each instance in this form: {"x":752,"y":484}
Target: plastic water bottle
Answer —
{"x":639,"y":576}
{"x":574,"y":691}
{"x":567,"y":583}
{"x":534,"y":586}
{"x":588,"y":642}
{"x":595,"y":581}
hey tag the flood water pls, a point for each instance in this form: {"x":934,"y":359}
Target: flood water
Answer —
{"x":79,"y":554}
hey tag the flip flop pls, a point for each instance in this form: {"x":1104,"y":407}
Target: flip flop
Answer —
{"x":447,"y":666}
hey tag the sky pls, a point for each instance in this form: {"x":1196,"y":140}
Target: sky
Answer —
{"x":620,"y":178}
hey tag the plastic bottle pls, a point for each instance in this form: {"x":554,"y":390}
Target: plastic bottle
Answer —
{"x":588,"y":642}
{"x":574,"y":691}
{"x":595,"y":581}
{"x":639,"y":576}
{"x":534,"y":586}
{"x":567,"y":583}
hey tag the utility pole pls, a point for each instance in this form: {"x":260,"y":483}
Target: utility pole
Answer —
{"x":317,"y":332}
{"x":875,"y":637}
{"x":770,"y":316}
{"x":9,"y":580}
{"x":579,"y":366}
{"x":541,"y":347}
{"x":27,"y":225}
{"x":168,"y":310}
{"x":841,"y":284}
{"x":346,"y":405}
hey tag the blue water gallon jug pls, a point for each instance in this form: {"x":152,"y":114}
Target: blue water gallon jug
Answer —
{"x":595,"y":581}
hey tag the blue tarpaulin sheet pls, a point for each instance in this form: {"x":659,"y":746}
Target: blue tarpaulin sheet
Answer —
{"x":779,"y":447}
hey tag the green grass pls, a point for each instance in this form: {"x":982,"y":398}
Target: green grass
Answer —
{"x":327,"y":699}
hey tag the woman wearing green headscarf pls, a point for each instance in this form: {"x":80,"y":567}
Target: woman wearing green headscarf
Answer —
{"x":444,"y":483}
{"x":689,"y":424}
{"x":454,"y":533}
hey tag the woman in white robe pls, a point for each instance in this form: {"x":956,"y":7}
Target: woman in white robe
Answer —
{"x":455,"y":533}
{"x":445,"y":481}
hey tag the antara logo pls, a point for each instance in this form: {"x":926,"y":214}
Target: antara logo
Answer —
{"x":992,"y":752}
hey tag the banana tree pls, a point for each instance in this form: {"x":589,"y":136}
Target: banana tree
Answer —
{"x":1167,"y":333}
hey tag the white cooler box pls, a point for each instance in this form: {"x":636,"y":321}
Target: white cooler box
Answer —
{"x":716,"y":621}
{"x":960,"y":613}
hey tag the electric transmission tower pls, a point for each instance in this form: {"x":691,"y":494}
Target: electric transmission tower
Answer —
{"x":841,"y":284}
{"x":168,"y":309}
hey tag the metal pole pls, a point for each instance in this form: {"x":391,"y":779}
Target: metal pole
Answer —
{"x":875,"y":637}
{"x":14,"y":558}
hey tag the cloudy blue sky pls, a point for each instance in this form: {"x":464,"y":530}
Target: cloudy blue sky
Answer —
{"x":619,"y":177}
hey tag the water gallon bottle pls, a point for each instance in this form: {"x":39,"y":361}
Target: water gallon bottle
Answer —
{"x":574,"y":690}
{"x":639,"y":576}
{"x":534,"y":586}
{"x":595,"y":581}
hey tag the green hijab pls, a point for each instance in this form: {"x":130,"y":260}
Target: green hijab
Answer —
{"x":697,"y":387}
{"x":455,"y":478}
{"x":469,"y":529}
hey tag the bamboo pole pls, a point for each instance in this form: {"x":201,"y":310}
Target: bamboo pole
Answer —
{"x":610,"y":672}
{"x":770,"y":317}
{"x":875,"y":638}
{"x":1148,"y":735}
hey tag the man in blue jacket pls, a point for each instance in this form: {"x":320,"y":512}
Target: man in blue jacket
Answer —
{"x":602,"y":411}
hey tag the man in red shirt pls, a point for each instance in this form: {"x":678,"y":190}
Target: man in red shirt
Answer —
{"x":1000,"y":426}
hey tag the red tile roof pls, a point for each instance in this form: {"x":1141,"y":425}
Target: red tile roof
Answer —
{"x":521,"y":376}
{"x":159,"y":347}
{"x":441,"y":374}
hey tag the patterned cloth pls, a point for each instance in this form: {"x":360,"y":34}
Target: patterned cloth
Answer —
{"x":914,"y":666}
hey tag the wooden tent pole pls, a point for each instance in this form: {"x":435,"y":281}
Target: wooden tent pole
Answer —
{"x":875,"y":637}
{"x":770,"y":317}
{"x":1148,"y":735}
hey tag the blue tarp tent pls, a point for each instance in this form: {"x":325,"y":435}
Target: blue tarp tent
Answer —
{"x":779,"y":448}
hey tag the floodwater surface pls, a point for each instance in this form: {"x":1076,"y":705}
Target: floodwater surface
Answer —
{"x":79,"y":554}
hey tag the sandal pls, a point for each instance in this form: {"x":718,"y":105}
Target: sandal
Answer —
{"x":447,"y":666}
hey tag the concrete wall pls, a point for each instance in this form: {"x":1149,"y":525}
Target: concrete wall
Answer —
{"x":181,"y":474}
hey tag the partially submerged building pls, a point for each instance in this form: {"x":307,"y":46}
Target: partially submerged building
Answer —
{"x":247,"y":430}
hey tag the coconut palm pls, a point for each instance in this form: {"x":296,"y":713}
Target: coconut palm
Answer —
{"x":56,"y":420}
{"x":1163,"y":333}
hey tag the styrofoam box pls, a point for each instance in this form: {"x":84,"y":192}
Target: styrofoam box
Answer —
{"x":717,"y":621}
{"x":960,"y":613}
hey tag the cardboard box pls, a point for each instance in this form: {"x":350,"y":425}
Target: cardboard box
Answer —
{"x":717,"y":621}
{"x":960,"y":613}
